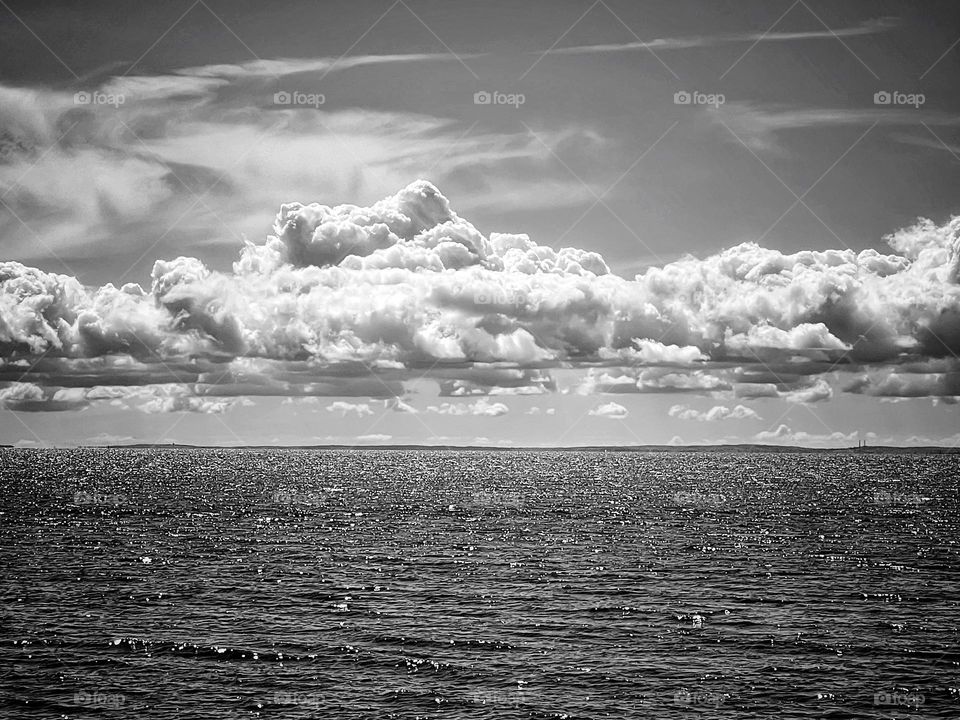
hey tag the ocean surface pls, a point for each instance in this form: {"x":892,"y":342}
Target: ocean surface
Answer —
{"x":481,"y":584}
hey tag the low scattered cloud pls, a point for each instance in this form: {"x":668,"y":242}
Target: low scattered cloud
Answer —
{"x":611,"y":410}
{"x":718,"y":412}
{"x":374,"y":438}
{"x":481,"y":407}
{"x":538,"y":411}
{"x":108,"y":439}
{"x":348,"y":408}
{"x":184,"y":403}
{"x":785,"y":436}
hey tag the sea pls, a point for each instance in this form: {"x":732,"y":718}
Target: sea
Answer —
{"x":284,"y":583}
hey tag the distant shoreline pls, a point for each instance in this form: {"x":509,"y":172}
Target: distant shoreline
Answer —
{"x":738,"y":448}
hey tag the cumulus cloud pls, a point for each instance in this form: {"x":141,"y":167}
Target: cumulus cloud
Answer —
{"x":784,"y":435}
{"x":346,"y":408}
{"x":611,"y":410}
{"x":398,"y":405}
{"x":481,"y":407}
{"x":718,"y":412}
{"x":186,"y":403}
{"x":538,"y":411}
{"x":818,"y":391}
{"x":357,"y":301}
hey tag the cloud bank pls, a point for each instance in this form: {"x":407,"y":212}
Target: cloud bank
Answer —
{"x":356,"y":301}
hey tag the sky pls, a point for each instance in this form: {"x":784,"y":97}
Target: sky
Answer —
{"x":481,"y":223}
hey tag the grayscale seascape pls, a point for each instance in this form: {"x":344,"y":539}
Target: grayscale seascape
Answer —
{"x":500,"y":584}
{"x":479,"y":359}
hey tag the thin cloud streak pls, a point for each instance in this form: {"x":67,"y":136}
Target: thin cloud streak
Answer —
{"x":869,"y":27}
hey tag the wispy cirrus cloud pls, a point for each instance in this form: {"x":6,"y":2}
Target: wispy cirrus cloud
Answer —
{"x":868,"y":27}
{"x":185,"y":157}
{"x":759,"y":126}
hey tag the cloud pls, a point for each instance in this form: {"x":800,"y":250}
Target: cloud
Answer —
{"x":868,"y":27}
{"x":185,"y":403}
{"x":944,"y":386}
{"x":352,"y":301}
{"x":107,"y":439}
{"x":758,"y":126}
{"x":537,"y":411}
{"x":345,"y":408}
{"x":481,"y":407}
{"x":29,"y":397}
{"x":374,"y":438}
{"x":611,"y":410}
{"x":205,"y":153}
{"x":784,"y":435}
{"x":819,"y":391}
{"x":718,"y":412}
{"x":280,"y":67}
{"x":398,"y":405}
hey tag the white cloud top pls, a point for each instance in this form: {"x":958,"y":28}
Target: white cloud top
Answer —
{"x":353,"y":301}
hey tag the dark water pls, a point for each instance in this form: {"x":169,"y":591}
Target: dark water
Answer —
{"x":208,"y":584}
